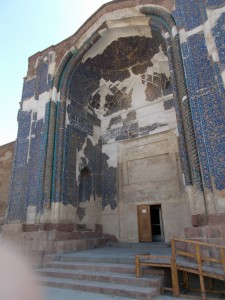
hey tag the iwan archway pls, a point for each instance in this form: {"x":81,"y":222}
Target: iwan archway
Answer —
{"x":118,"y":129}
{"x":117,"y":115}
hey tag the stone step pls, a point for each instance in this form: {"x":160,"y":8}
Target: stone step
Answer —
{"x":100,"y":267}
{"x":147,"y":246}
{"x":52,"y":293}
{"x":101,"y":259}
{"x":92,"y":266}
{"x":118,"y":278}
{"x":123,"y":290}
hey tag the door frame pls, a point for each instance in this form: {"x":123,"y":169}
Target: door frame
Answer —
{"x":160,"y":217}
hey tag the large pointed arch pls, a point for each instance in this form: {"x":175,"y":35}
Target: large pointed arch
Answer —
{"x":56,"y":137}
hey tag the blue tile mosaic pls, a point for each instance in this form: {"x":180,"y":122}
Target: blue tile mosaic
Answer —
{"x":218,"y":32}
{"x":202,"y":68}
{"x":19,"y":180}
{"x":28,"y":88}
{"x":214,"y":3}
{"x":109,"y":190}
{"x":43,"y":78}
{"x":191,"y":12}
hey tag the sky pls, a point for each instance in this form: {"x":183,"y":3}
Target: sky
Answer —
{"x":26,"y":27}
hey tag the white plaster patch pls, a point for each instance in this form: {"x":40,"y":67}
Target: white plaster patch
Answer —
{"x":220,"y":204}
{"x":184,"y":98}
{"x":80,"y":154}
{"x":223,"y":77}
{"x":59,"y":213}
{"x":31,"y":214}
{"x":54,"y":94}
{"x":93,"y":140}
{"x":30,"y":105}
{"x":183,"y":36}
{"x":43,"y":100}
{"x":213,"y":16}
{"x":67,"y":115}
{"x":160,"y":64}
{"x":138,"y":92}
{"x":115,"y":15}
{"x":111,"y":151}
{"x":109,"y":211}
{"x":29,"y":138}
{"x":97,"y":133}
{"x":215,"y":56}
{"x":166,"y":35}
{"x":36,"y":105}
{"x":51,"y":69}
{"x":174,"y":31}
{"x":195,"y":30}
{"x":103,"y":91}
{"x":134,"y":21}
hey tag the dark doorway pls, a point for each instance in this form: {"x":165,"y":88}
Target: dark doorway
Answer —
{"x":85,"y":186}
{"x":156,"y":223}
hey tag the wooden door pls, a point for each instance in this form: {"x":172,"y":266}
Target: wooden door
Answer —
{"x":144,"y":223}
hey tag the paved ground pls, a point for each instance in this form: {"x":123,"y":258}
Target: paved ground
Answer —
{"x":62,"y":294}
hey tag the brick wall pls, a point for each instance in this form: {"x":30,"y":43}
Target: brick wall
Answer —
{"x":6,"y":159}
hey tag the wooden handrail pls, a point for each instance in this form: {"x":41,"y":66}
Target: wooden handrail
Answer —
{"x":196,"y":262}
{"x":197,"y":242}
{"x":200,"y":258}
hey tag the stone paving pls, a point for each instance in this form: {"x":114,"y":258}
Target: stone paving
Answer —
{"x":63,"y":294}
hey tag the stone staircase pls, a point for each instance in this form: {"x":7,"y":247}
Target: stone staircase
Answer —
{"x":103,"y":275}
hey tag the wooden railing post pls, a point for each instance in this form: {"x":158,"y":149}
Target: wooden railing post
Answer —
{"x":222,"y":254}
{"x":137,"y":266}
{"x":174,"y":274}
{"x":201,"y":277}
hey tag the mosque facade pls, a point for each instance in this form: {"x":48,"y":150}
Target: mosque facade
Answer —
{"x":122,"y":125}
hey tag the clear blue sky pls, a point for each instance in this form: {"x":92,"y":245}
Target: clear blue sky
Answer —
{"x":26,"y":27}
